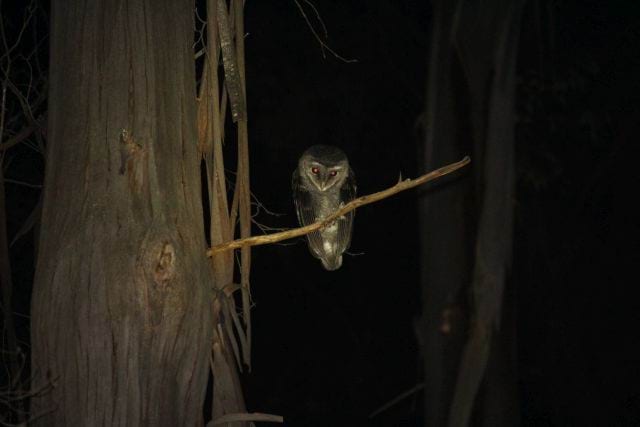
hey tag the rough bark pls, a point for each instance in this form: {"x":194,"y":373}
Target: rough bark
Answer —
{"x":121,"y":312}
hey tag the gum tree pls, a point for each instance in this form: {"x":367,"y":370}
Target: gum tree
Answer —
{"x":121,"y":313}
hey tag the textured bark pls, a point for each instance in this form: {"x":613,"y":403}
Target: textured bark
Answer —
{"x":121,"y":312}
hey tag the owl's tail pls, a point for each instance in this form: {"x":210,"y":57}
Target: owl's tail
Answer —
{"x":331,"y":263}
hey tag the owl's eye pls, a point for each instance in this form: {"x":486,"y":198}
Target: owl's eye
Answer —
{"x":333,"y":173}
{"x":315,"y":171}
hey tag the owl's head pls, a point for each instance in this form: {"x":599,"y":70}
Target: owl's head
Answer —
{"x":325,"y":166}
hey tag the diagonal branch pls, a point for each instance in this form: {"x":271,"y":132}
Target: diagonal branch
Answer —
{"x":356,"y":203}
{"x":23,"y":134}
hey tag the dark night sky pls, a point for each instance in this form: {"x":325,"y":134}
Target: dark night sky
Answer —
{"x":336,"y":345}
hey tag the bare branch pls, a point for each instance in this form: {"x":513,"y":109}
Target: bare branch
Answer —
{"x":323,"y":45}
{"x":319,"y":18}
{"x":8,"y":49}
{"x":397,"y":399}
{"x":22,"y":183}
{"x":356,"y":203}
{"x":19,"y":137}
{"x":3,"y":103}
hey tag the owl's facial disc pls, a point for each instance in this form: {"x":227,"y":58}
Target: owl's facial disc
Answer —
{"x":323,"y":176}
{"x":331,"y":177}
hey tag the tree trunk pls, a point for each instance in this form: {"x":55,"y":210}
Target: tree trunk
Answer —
{"x":443,"y":228}
{"x":121,"y":311}
{"x":466,"y":228}
{"x":493,"y":243}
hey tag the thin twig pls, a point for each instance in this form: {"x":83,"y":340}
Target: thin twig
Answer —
{"x":23,"y":134}
{"x":356,"y":203}
{"x":25,"y":24}
{"x":397,"y":399}
{"x":3,"y":103}
{"x":22,"y":183}
{"x":319,"y":18}
{"x":323,"y":45}
{"x":265,"y":228}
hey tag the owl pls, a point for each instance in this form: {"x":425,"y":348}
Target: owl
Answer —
{"x":322,"y":183}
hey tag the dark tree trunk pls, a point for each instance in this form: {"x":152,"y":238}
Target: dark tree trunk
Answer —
{"x":490,"y":342}
{"x":467,"y":227}
{"x":121,"y":313}
{"x":443,"y":230}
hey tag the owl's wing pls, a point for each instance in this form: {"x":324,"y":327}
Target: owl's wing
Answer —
{"x":306,"y":213}
{"x":345,"y":223}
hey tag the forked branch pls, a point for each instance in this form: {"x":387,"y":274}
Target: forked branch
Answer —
{"x":355,"y":203}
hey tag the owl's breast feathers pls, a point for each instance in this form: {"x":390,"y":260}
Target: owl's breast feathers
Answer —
{"x":326,"y":204}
